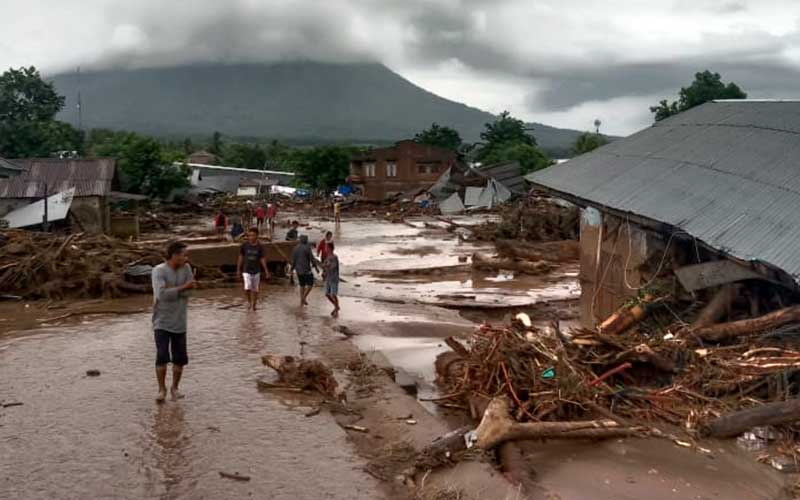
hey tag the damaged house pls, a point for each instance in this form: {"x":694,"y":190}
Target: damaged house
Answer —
{"x":90,"y":182}
{"x":404,"y":167}
{"x":708,"y":197}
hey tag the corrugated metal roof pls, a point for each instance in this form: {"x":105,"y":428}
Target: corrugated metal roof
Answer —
{"x":89,"y":177}
{"x":728,"y":173}
{"x":508,"y":173}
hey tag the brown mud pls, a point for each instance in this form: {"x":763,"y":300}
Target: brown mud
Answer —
{"x":76,"y":436}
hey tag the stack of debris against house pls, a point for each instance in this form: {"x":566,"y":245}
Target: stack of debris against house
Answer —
{"x":690,"y":307}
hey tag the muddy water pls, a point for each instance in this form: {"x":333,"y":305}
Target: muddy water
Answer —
{"x":104,"y":437}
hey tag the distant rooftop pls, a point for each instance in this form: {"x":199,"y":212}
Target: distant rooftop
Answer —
{"x":89,"y":177}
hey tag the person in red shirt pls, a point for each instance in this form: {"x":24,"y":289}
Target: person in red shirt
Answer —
{"x":272,"y":214}
{"x":322,"y":247}
{"x":260,"y":214}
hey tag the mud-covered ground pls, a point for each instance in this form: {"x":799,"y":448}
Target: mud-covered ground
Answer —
{"x":76,"y":436}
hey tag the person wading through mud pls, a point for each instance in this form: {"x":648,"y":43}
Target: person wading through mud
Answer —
{"x":172,"y":281}
{"x":252,"y":261}
{"x":331,"y":267}
{"x":302,"y":261}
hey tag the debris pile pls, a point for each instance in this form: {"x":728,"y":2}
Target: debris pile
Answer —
{"x":304,"y":374}
{"x":718,"y":380}
{"x":55,"y":266}
{"x":534,"y":218}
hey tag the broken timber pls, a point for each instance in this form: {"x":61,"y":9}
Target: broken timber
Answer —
{"x":725,"y":331}
{"x":733,"y":424}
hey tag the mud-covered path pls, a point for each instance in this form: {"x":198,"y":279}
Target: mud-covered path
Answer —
{"x":105,"y":437}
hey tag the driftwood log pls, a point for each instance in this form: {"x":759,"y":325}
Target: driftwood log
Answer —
{"x":305,"y":374}
{"x":733,"y":329}
{"x":733,"y":424}
{"x":626,"y":317}
{"x":482,"y":262}
{"x":718,"y":306}
{"x":498,"y":427}
{"x":553,"y":251}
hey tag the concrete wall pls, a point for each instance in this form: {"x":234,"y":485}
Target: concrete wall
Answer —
{"x":608,"y":279}
{"x":125,"y":227}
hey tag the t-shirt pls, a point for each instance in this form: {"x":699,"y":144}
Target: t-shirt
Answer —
{"x":260,"y":213}
{"x":169,"y":305}
{"x":331,"y":266}
{"x":251,"y":257}
{"x":272,"y":211}
{"x":322,"y":249}
{"x":291,"y":235}
{"x":337,"y":208}
{"x":303,"y":259}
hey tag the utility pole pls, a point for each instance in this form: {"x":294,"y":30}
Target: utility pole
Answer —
{"x":80,"y":111}
{"x":45,"y":225}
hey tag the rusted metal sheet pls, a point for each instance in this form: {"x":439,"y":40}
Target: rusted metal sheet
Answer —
{"x":715,"y":273}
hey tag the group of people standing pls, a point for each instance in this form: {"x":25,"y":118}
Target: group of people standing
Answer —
{"x":173,"y":281}
{"x":235,"y":225}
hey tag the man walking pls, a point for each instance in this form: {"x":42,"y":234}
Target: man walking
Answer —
{"x":260,"y":214}
{"x":252,"y":260}
{"x":302,"y":261}
{"x":272,"y":214}
{"x":331,"y":267}
{"x":172,"y":281}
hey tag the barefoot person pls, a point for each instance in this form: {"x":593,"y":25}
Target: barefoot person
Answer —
{"x":331,"y":267}
{"x":251,"y":263}
{"x":302,"y":261}
{"x":172,"y":281}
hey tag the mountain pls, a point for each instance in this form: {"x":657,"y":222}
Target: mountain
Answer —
{"x":299,"y":101}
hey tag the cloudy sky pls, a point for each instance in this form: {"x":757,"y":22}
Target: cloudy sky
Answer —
{"x":560,"y":62}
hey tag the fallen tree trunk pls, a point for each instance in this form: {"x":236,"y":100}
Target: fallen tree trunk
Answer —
{"x":718,"y":306}
{"x":724,"y":331}
{"x":483,"y":262}
{"x":626,"y":317}
{"x":733,"y":424}
{"x":497,"y":427}
{"x":553,"y":251}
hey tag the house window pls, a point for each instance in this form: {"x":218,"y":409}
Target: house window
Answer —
{"x":356,"y":169}
{"x":369,"y":170}
{"x":428,"y":168}
{"x":391,"y":169}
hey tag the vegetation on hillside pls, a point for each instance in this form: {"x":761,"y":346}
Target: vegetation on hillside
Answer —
{"x":589,"y":141}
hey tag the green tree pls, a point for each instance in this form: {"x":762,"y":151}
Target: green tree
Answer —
{"x":530,"y":158}
{"x":244,"y":156}
{"x":441,"y":137}
{"x":588,"y":141}
{"x":324,"y":168}
{"x":707,"y":86}
{"x":146,"y":167}
{"x":215,"y":148}
{"x":28,"y":106}
{"x":507,"y":139}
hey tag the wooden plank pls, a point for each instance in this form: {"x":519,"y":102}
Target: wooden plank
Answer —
{"x":714,"y":273}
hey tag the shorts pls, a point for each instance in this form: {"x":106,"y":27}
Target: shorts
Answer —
{"x":174,"y":343}
{"x":251,"y":281}
{"x":332,"y":287}
{"x":305,"y":279}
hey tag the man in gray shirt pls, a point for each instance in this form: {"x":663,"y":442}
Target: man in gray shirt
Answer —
{"x":172,"y":281}
{"x":302,"y":261}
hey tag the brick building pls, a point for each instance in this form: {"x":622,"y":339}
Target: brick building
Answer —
{"x":403,"y":167}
